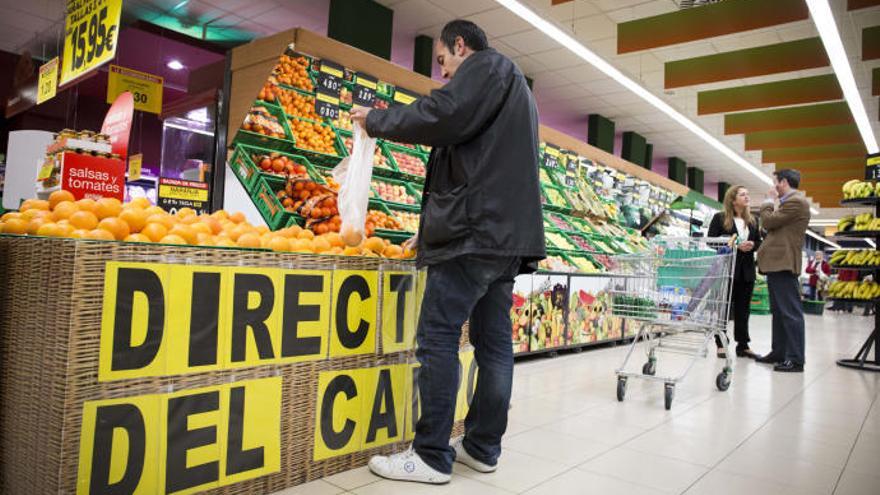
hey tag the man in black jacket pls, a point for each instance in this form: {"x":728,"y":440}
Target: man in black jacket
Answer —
{"x":481,"y":225}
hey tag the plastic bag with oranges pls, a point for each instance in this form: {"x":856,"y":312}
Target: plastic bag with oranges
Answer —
{"x":353,"y":175}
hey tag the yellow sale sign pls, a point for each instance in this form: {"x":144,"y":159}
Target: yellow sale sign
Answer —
{"x":47,"y":83}
{"x":145,"y":89}
{"x":91,"y":32}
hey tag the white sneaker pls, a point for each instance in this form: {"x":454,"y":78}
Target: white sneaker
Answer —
{"x":462,"y":456}
{"x":407,"y":466}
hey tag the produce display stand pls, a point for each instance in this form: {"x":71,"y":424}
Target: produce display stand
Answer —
{"x":862,"y":360}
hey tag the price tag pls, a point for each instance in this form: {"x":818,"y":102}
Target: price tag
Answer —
{"x":47,"y":83}
{"x":46,"y":170}
{"x":134,"y":166}
{"x":551,"y":156}
{"x":364,"y":90}
{"x":145,"y":89}
{"x":872,"y":167}
{"x":91,"y":34}
{"x":327,"y":105}
{"x":330,"y":76}
{"x":404,"y":97}
{"x":570,"y":181}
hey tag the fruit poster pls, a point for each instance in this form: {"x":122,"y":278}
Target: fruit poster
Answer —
{"x":549,"y":308}
{"x":520,"y":313}
{"x":589,"y":316}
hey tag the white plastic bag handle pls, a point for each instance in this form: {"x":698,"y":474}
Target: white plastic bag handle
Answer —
{"x":353,"y":175}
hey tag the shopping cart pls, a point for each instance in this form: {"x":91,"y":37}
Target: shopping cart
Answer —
{"x":678,"y":292}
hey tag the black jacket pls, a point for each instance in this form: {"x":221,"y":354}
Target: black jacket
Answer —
{"x":745,"y":262}
{"x":482,"y":194}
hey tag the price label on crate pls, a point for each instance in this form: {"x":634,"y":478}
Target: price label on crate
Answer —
{"x":364,"y":90}
{"x":570,"y":181}
{"x":330,"y":76}
{"x":91,"y":33}
{"x":551,"y":156}
{"x":404,"y":97}
{"x":326,"y":104}
{"x":572,"y":163}
{"x":872,"y":167}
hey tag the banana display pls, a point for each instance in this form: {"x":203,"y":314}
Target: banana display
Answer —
{"x":858,"y":189}
{"x":863,"y":291}
{"x":862,"y":222}
{"x":855,"y":257}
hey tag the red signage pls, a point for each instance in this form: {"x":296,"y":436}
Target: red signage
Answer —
{"x":94,"y":177}
{"x":117,"y":123}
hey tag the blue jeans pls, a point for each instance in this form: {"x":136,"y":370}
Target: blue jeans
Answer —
{"x":788,"y":317}
{"x":479,"y":288}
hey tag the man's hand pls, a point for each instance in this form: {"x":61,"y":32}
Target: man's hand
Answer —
{"x":359,"y":115}
{"x":773,"y":194}
{"x":411,"y":243}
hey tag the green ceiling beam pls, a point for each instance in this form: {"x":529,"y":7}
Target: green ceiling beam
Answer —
{"x":836,"y":134}
{"x":825,"y":164}
{"x":861,"y":4}
{"x":871,"y":43}
{"x":767,"y":95}
{"x":788,"y":118}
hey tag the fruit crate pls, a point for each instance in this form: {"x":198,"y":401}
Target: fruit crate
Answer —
{"x":377,"y":205}
{"x":317,"y":156}
{"x":583,"y":262}
{"x":401,"y":213}
{"x":554,"y":200}
{"x":581,"y":225}
{"x":304,"y":94}
{"x":553,"y":220}
{"x":256,"y":139}
{"x":408,"y":188}
{"x":388,"y":170}
{"x":556,"y":239}
{"x":390,"y":150}
{"x":247,"y":171}
{"x":813,"y":307}
{"x":545,"y":177}
{"x":273,"y":212}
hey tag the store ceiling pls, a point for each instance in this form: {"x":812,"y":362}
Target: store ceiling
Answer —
{"x":736,"y":74}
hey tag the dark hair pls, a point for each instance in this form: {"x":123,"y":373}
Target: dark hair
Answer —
{"x":474,"y":37}
{"x":793,"y":177}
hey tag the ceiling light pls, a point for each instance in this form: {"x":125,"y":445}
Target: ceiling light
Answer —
{"x":814,"y":211}
{"x":822,"y":239}
{"x":820,"y":11}
{"x":598,"y":62}
{"x":174,"y":65}
{"x":870,"y":243}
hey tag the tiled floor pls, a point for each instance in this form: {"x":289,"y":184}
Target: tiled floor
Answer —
{"x":771,"y":433}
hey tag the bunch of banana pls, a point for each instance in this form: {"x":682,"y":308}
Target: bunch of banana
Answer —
{"x":857,"y":189}
{"x":866,"y":221}
{"x":854,"y":290}
{"x":855,"y":257}
{"x":846,"y":223}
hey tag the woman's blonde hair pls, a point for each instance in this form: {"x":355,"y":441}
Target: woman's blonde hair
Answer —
{"x":730,"y":211}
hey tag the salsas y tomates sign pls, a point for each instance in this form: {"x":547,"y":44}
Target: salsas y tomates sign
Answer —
{"x":95,"y":177}
{"x":161,"y":320}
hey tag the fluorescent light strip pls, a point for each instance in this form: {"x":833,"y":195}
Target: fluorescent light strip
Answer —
{"x":598,"y":62}
{"x":814,"y":211}
{"x":822,"y":239}
{"x":820,"y":11}
{"x":870,"y":243}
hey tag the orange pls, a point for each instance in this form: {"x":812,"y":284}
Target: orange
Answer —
{"x":84,"y":220}
{"x":352,"y":251}
{"x":375,"y":244}
{"x":393,"y":252}
{"x":35,"y":225}
{"x":99,"y":234}
{"x":240,"y":230}
{"x":137,"y":238}
{"x":301,"y":246}
{"x":203,"y":239}
{"x":226,"y":243}
{"x":15,"y":226}
{"x":136,"y":219}
{"x":188,"y":219}
{"x":34,"y":204}
{"x":321,"y":245}
{"x":213,"y":223}
{"x":108,"y":207}
{"x":142,"y":203}
{"x":408,"y":253}
{"x":33,"y":213}
{"x":334,"y":239}
{"x":60,"y":196}
{"x":279,"y":244}
{"x":184,"y":231}
{"x":186,"y":212}
{"x":10,"y":215}
{"x":115,"y":226}
{"x":351,"y":237}
{"x":64,"y":209}
{"x":87,"y":204}
{"x":306,"y":234}
{"x":220,"y":215}
{"x":165,"y":219}
{"x":237,"y":217}
{"x":201,"y":228}
{"x":155,"y":231}
{"x":64,"y":229}
{"x":262,"y":229}
{"x":155,"y":209}
{"x":248,"y":240}
{"x":78,"y":234}
{"x":336,"y":251}
{"x":172,"y":239}
{"x":49,"y":229}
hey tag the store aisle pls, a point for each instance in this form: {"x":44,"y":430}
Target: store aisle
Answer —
{"x":771,"y":433}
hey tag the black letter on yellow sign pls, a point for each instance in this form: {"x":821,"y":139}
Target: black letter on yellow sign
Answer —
{"x":471,"y":381}
{"x":378,"y":419}
{"x":416,"y":410}
{"x":351,"y":285}
{"x":296,"y":313}
{"x":131,"y":280}
{"x":108,"y":418}
{"x":243,"y":317}
{"x":400,"y":284}
{"x":238,"y":460}
{"x":203,"y":322}
{"x":181,"y":440}
{"x":335,"y":440}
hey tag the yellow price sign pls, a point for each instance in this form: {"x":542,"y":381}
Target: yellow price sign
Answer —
{"x":134,"y":166}
{"x":91,"y":32}
{"x":145,"y":88}
{"x":47,"y":84}
{"x":46,"y":171}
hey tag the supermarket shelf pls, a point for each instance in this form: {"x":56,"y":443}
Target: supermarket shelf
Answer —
{"x":858,"y":233}
{"x":862,"y":301}
{"x":870,"y":201}
{"x":862,"y":268}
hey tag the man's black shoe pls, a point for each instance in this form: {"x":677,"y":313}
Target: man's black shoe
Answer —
{"x":789,"y":367}
{"x":769,"y":359}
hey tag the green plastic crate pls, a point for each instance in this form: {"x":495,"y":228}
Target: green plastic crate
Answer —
{"x":408,"y":187}
{"x":561,"y":205}
{"x":390,"y":172}
{"x":388,"y":148}
{"x":273,"y":212}
{"x":317,"y":156}
{"x":255,"y":139}
{"x":247,"y":171}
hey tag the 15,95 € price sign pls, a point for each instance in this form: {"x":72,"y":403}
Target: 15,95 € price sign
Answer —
{"x":91,"y":34}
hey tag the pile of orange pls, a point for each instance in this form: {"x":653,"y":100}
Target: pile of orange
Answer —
{"x":294,"y":71}
{"x":138,"y":221}
{"x":313,"y":136}
{"x":269,"y":92}
{"x":297,"y":105}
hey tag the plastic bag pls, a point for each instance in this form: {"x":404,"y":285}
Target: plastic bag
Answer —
{"x":353,"y":175}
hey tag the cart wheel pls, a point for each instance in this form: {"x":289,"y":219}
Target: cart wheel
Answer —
{"x":668,"y":395}
{"x":621,"y":388}
{"x":649,"y":368}
{"x":722,"y":381}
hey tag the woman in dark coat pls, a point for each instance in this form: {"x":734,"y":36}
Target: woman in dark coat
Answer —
{"x":737,"y":220}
